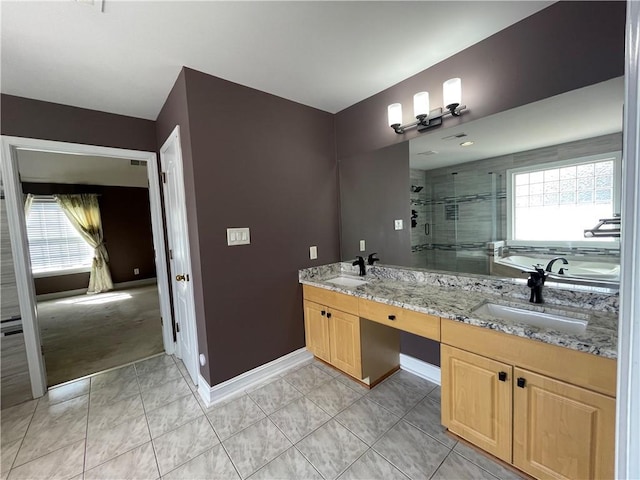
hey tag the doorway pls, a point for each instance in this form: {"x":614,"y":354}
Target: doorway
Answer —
{"x":84,"y":327}
{"x":11,"y":149}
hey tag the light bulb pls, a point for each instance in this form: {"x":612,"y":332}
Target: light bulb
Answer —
{"x":394,"y":112}
{"x":452,"y":92}
{"x":421,"y":104}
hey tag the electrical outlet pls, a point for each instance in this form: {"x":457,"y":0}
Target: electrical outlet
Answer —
{"x":398,"y":224}
{"x":362,"y":247}
{"x":136,"y":271}
{"x":313,"y":252}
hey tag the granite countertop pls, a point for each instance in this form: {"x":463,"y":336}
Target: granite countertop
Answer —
{"x":455,"y":297}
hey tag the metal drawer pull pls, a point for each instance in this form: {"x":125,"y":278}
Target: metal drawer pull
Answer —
{"x":502,"y":376}
{"x":328,"y":315}
{"x":323,"y":313}
{"x":521,"y":382}
{"x":392,"y":317}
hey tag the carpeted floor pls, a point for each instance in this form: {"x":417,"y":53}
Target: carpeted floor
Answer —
{"x":90,"y":333}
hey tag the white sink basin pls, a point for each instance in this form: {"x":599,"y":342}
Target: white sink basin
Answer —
{"x":533,"y":318}
{"x":345,"y":281}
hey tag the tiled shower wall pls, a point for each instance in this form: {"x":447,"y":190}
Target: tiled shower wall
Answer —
{"x":465,"y":205}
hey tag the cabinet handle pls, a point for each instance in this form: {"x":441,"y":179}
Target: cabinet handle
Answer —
{"x":328,"y":315}
{"x":502,"y":376}
{"x":521,"y":382}
{"x":392,"y":317}
{"x":323,"y":313}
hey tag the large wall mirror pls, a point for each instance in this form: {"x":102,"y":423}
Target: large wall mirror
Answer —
{"x":501,"y":194}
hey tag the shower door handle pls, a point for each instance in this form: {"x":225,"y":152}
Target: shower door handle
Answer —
{"x":427,"y":229}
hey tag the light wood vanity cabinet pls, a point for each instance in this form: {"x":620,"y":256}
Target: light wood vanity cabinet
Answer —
{"x":334,"y":337}
{"x":422,"y":324}
{"x":560,"y":430}
{"x":336,"y":334}
{"x":494,"y":395}
{"x":316,"y":328}
{"x":477,"y":400}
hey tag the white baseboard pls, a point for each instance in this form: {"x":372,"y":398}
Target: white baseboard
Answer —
{"x":221,"y":391}
{"x":422,"y":369}
{"x":82,"y":291}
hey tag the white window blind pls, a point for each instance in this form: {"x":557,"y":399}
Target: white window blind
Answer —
{"x":54,"y":245}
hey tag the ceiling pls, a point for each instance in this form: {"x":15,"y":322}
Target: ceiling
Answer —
{"x":584,"y":113}
{"x":48,"y":167}
{"x":327,"y":55}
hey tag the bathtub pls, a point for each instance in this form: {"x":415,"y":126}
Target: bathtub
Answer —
{"x":578,"y":268}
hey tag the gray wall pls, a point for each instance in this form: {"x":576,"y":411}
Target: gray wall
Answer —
{"x":269,"y":164}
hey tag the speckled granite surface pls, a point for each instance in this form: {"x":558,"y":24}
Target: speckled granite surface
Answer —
{"x":456,"y":297}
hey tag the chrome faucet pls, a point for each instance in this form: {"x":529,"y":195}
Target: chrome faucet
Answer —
{"x":554,"y":260}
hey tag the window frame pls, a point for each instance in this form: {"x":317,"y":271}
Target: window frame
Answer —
{"x":59,"y":271}
{"x":510,"y":197}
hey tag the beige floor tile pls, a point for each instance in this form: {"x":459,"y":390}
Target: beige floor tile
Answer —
{"x":59,"y":464}
{"x":136,"y":464}
{"x":184,"y":443}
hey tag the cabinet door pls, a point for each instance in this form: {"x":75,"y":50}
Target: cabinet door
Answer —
{"x":476,"y":400}
{"x":344,"y":335}
{"x":562,"y":431}
{"x":316,"y":327}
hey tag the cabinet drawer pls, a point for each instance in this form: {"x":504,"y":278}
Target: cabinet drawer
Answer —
{"x":336,"y":300}
{"x":427,"y":326}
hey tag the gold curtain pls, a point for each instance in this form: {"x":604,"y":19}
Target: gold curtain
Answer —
{"x":28,"y":201}
{"x":83,"y":212}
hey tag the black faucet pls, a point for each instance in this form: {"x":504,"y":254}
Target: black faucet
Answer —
{"x":554,"y":260}
{"x":371,"y":259}
{"x":535,"y":282}
{"x":360,"y":263}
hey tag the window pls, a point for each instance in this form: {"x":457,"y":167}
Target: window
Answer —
{"x":558,"y":201}
{"x":54,"y":245}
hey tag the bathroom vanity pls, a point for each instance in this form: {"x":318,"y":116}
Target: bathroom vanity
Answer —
{"x":539,"y":398}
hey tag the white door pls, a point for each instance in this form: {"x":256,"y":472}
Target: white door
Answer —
{"x":180,"y":258}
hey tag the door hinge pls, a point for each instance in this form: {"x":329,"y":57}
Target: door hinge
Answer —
{"x":170,"y":254}
{"x":42,"y":350}
{"x":178,"y":327}
{"x":161,"y":322}
{"x":164,"y":177}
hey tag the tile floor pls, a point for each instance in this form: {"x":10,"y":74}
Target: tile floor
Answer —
{"x":145,"y":421}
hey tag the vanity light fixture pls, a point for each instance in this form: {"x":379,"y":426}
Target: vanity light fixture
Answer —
{"x":426,"y":118}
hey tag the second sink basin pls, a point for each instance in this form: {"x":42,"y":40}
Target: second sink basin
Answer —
{"x":345,"y":281}
{"x":552,"y":321}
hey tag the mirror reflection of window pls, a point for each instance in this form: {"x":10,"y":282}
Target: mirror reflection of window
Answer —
{"x":557,"y":202}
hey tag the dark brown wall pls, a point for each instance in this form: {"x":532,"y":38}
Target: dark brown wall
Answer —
{"x":371,"y":198}
{"x":24,"y":117}
{"x":175,"y":112}
{"x":553,"y":51}
{"x":563,"y":47}
{"x":269,"y":164}
{"x":126,"y":225}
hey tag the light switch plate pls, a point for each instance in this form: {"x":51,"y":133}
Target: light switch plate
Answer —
{"x":362,"y":247}
{"x":238,"y":236}
{"x":313,"y":252}
{"x":398,"y":224}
